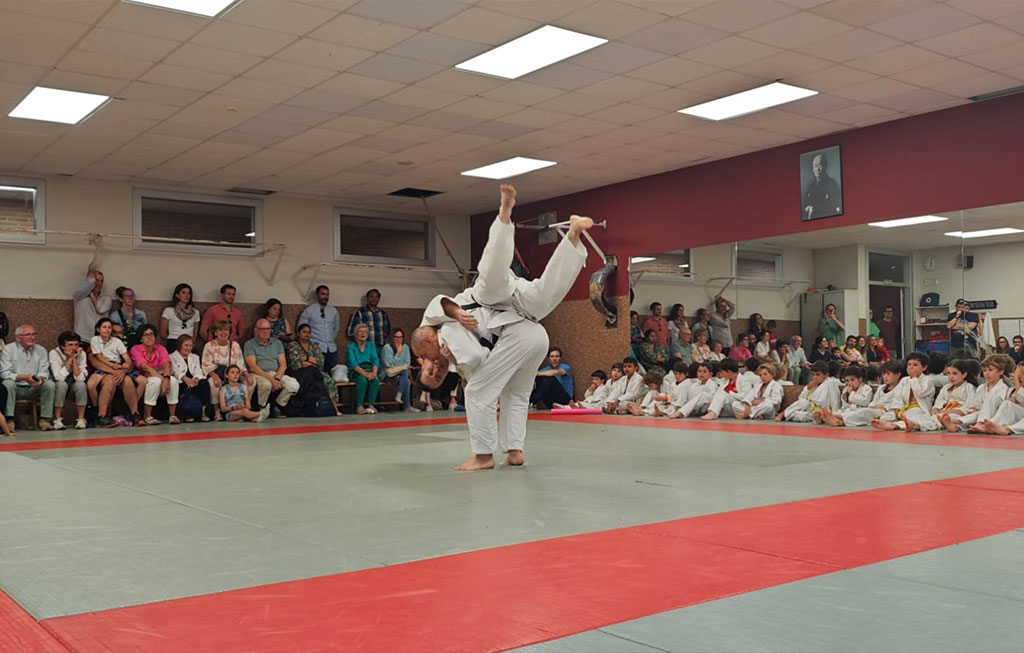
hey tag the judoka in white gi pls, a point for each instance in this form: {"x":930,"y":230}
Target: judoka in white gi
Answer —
{"x":654,"y":402}
{"x":630,"y":387}
{"x":693,"y":397}
{"x":506,"y":307}
{"x":595,"y":394}
{"x":986,"y":400}
{"x":915,"y":395}
{"x":952,"y":396}
{"x":822,"y":392}
{"x":764,"y":399}
{"x":885,"y":398}
{"x":1009,"y":417}
{"x":732,"y":393}
{"x":858,"y":392}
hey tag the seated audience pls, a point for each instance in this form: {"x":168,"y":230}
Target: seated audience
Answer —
{"x":938,"y":371}
{"x":304,"y":352}
{"x":701,"y":348}
{"x":224,"y":312}
{"x":235,"y":398}
{"x":187,"y":370}
{"x":636,"y":335}
{"x":128,"y":316}
{"x":268,"y":367}
{"x":651,"y":354}
{"x":113,"y":369}
{"x":821,"y":351}
{"x":90,"y":303}
{"x":219,"y":354}
{"x":676,"y":322}
{"x":180,"y":318}
{"x":375,"y":318}
{"x":25,"y":370}
{"x":716,"y":352}
{"x":773,"y":338}
{"x":740,"y":351}
{"x":682,"y":348}
{"x":702,"y":323}
{"x":554,"y":382}
{"x":69,"y":370}
{"x":849,"y":352}
{"x":658,"y":325}
{"x":1003,"y":346}
{"x":154,"y":381}
{"x":880,"y":349}
{"x":280,"y":327}
{"x":799,"y":366}
{"x":763,"y":345}
{"x":397,"y":364}
{"x":363,"y":366}
{"x":756,"y":328}
{"x":1017,"y":353}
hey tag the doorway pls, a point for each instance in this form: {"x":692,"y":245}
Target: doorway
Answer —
{"x":889,"y":288}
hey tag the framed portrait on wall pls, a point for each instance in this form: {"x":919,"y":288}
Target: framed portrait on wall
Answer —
{"x":821,"y":184}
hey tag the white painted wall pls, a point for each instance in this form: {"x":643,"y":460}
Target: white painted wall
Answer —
{"x":997,"y":272}
{"x":845,"y":268}
{"x":305,"y":226}
{"x":717,"y":260}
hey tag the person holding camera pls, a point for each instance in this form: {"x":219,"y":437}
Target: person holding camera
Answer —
{"x":963,"y":331}
{"x":25,"y":370}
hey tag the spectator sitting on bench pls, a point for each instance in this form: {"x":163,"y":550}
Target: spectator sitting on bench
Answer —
{"x":25,"y":370}
{"x":68,"y":367}
{"x":396,"y":362}
{"x":304,"y":352}
{"x":363,"y":366}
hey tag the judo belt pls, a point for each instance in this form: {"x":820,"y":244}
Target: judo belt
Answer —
{"x":902,"y":411}
{"x":483,"y":341}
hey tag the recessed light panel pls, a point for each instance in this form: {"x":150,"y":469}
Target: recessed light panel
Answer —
{"x":756,"y":99}
{"x":538,"y":49}
{"x":906,"y":222}
{"x":55,"y":105}
{"x":641,"y":259}
{"x":509,"y":168}
{"x":207,"y":8}
{"x":985,"y":233}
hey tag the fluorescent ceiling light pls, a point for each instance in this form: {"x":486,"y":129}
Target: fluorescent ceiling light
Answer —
{"x":55,"y":105}
{"x":208,"y":8}
{"x":641,"y":259}
{"x":756,"y":99}
{"x":508,"y":168}
{"x":685,"y":265}
{"x":906,"y":222}
{"x":984,"y":233}
{"x":18,"y":189}
{"x":251,"y":234}
{"x":538,"y":49}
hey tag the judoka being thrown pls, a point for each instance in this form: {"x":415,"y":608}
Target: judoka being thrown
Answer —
{"x":501,"y":311}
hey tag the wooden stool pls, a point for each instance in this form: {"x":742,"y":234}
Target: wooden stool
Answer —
{"x":347,"y":396}
{"x":32,"y":410}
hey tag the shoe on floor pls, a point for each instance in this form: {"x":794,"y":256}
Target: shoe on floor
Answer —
{"x":429,"y":408}
{"x":44,"y":425}
{"x":58,"y":424}
{"x":80,"y":424}
{"x":205,"y":418}
{"x":151,"y":421}
{"x":173,"y":419}
{"x":412,"y":409}
{"x":104,"y":422}
{"x":264,"y":413}
{"x":360,"y":411}
{"x":371,"y":410}
{"x":137,"y":420}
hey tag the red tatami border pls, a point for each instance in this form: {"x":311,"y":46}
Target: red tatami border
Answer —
{"x":511,"y":596}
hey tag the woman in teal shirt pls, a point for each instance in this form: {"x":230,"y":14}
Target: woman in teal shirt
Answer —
{"x":363,"y":364}
{"x":397,"y":362}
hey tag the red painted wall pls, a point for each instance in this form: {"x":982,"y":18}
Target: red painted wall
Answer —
{"x":959,"y":158}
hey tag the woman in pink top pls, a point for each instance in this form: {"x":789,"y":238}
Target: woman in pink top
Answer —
{"x":741,"y":351}
{"x":154,"y":367}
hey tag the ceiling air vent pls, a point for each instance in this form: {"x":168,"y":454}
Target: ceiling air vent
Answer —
{"x":415,"y":192}
{"x":251,"y":191}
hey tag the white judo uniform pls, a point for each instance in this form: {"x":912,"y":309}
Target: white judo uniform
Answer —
{"x":883,"y":400}
{"x":824,"y":395}
{"x":1011,"y":413}
{"x":626,"y":389}
{"x":595,"y":398}
{"x":859,"y":398}
{"x":948,"y":397}
{"x":984,"y":404}
{"x":507,"y":308}
{"x":697,"y":397}
{"x":770,"y":395}
{"x":724,"y":402}
{"x":915,"y":397}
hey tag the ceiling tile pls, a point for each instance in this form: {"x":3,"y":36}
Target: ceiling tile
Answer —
{"x":483,"y":26}
{"x":566,"y":76}
{"x":980,"y":85}
{"x":259,"y":90}
{"x":543,"y":11}
{"x":674,"y":36}
{"x":857,"y":114}
{"x":482,"y":108}
{"x":357,"y":125}
{"x":1014,"y":22}
{"x":85,"y":83}
{"x":315,"y":141}
{"x":498,"y":129}
{"x":158,"y":94}
{"x":673,"y":71}
{"x":190,"y":130}
{"x":246,"y":138}
{"x":385,"y":110}
{"x":191,"y":78}
{"x":137,"y":109}
{"x":191,"y":55}
{"x":723,"y":83}
{"x":325,"y":101}
{"x":832,"y":78}
{"x":78,"y":11}
{"x":363,"y":33}
{"x":739,"y":15}
{"x":435,"y":48}
{"x":323,"y":54}
{"x":818,"y":104}
{"x":950,"y":70}
{"x":126,"y":44}
{"x":577,"y":104}
{"x":279,"y":15}
{"x":20,"y":73}
{"x":999,"y":58}
{"x":783,"y":66}
{"x":285,"y":72}
{"x":865,"y":12}
{"x":632,"y":134}
{"x":105,"y":65}
{"x":917,"y":100}
{"x":523,"y":93}
{"x":271,"y":127}
{"x":796,"y":30}
{"x":140,"y":19}
{"x":33,"y":53}
{"x":411,"y":13}
{"x":41,"y":30}
{"x":412,"y":133}
{"x":672,"y":99}
{"x":625,"y":114}
{"x":923,"y":23}
{"x":875,"y":90}
{"x":242,"y":38}
{"x":849,"y":45}
{"x":610,"y":20}
{"x":898,"y":59}
{"x":988,"y":9}
{"x":426,"y":98}
{"x":396,"y":69}
{"x":969,"y":40}
{"x":446,"y":121}
{"x":360,"y":86}
{"x":731,"y":52}
{"x":622,"y":88}
{"x":458,"y":81}
{"x":534,"y":117}
{"x":296,"y":115}
{"x":615,"y":57}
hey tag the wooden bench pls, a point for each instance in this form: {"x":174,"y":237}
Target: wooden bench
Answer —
{"x":347,"y":398}
{"x":31,"y":407}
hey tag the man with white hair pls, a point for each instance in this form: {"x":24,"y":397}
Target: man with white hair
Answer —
{"x":490,"y":332}
{"x":25,"y":370}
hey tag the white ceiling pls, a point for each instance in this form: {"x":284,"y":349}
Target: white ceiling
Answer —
{"x":930,"y":235}
{"x":350,"y":99}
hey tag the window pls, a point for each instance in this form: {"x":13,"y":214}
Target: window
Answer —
{"x":758,"y":265}
{"x":370,"y":237}
{"x":673,"y":263}
{"x":227,"y":225}
{"x":887,"y":268}
{"x":22,"y":210}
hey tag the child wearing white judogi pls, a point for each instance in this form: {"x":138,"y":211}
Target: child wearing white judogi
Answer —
{"x":822,"y":392}
{"x":653,"y":400}
{"x":952,"y":396}
{"x":858,"y":392}
{"x":595,"y":394}
{"x":699,"y":392}
{"x":915,"y":394}
{"x":763,"y":400}
{"x":884,"y":399}
{"x":1009,"y":417}
{"x":629,"y":388}
{"x":987,"y":398}
{"x":735,"y":389}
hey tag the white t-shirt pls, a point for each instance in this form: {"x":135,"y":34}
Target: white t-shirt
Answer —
{"x":175,"y":327}
{"x":112,"y":350}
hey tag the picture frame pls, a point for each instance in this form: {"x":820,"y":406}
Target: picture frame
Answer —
{"x":821,"y":184}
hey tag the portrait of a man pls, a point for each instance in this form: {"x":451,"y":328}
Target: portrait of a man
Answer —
{"x":821,"y":184}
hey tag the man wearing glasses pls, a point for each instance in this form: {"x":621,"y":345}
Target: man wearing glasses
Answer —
{"x":25,"y":370}
{"x":324,"y":324}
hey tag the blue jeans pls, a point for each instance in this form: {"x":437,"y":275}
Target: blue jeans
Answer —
{"x":405,"y":387}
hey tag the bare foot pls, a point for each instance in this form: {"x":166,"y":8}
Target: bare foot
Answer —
{"x":514,"y":458}
{"x":508,"y":200}
{"x":709,"y":416}
{"x":977,"y":428}
{"x":885,"y":426}
{"x":911,"y":426}
{"x":817,"y":417}
{"x":476,"y":463}
{"x":948,"y":423}
{"x":780,"y":417}
{"x":995,"y":429}
{"x":676,"y":415}
{"x":577,"y":225}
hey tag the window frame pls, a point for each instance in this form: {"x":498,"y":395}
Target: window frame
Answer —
{"x":139,"y":242}
{"x":39,"y":185}
{"x":764,"y":253}
{"x":430,"y":261}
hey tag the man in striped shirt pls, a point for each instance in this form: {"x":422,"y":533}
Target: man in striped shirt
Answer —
{"x":374,"y":318}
